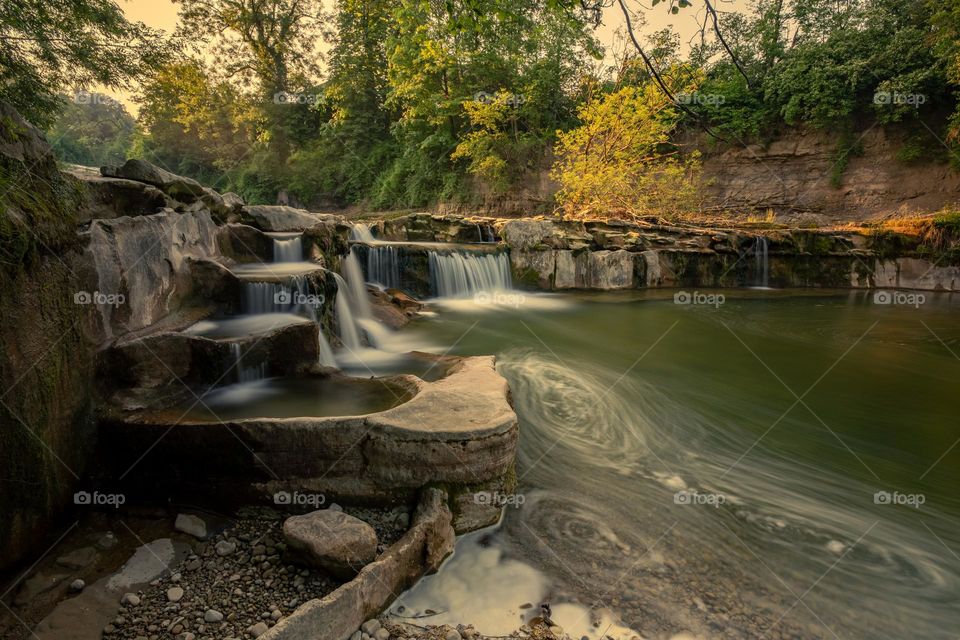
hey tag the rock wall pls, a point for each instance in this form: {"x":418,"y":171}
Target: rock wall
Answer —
{"x":46,"y":430}
{"x":793,"y":174}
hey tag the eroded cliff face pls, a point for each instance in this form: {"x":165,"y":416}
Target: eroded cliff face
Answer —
{"x":46,"y":430}
{"x":793,"y":177}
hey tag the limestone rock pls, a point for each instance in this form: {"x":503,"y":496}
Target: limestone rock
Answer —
{"x":183,"y":189}
{"x":331,"y":540}
{"x":281,"y":218}
{"x":78,"y":558}
{"x":192,"y":525}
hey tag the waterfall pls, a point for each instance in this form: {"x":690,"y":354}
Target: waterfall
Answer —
{"x":326,"y":353}
{"x":361,"y":233}
{"x":349,"y":331}
{"x":276,"y":297}
{"x":246,"y":373}
{"x":383,"y":266}
{"x":357,"y":287}
{"x":461,"y":274}
{"x":761,"y":258}
{"x":287,"y":247}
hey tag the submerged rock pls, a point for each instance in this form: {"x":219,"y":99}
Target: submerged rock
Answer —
{"x":331,"y":540}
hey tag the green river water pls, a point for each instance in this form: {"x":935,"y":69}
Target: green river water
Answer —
{"x":782,"y":465}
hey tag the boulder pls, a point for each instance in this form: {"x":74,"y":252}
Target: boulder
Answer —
{"x":532,"y":234}
{"x":281,"y":218}
{"x":233,"y":202}
{"x":179,"y":187}
{"x":191,"y":524}
{"x":331,"y":540}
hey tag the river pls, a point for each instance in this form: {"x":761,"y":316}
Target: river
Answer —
{"x":779,"y":465}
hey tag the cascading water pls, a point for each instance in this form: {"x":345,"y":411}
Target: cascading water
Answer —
{"x":361,"y":233}
{"x":462,"y":274}
{"x":287,"y":247}
{"x":246,"y":373}
{"x":349,"y":331}
{"x":383,"y":266}
{"x":276,"y":297}
{"x":761,"y":258}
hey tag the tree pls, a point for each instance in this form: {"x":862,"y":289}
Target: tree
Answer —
{"x":50,"y":46}
{"x":93,"y":130}
{"x":192,"y":123}
{"x":269,"y":45}
{"x":621,"y":163}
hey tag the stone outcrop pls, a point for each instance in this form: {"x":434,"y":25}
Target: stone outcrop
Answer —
{"x":332,"y":540}
{"x":142,"y":262}
{"x":46,"y":428}
{"x":459,"y":431}
{"x":185,"y":190}
{"x":282,"y":218}
{"x":794,"y":174}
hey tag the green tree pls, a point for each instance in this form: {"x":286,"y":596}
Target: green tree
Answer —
{"x":50,"y":46}
{"x":93,"y":130}
{"x":269,"y":45}
{"x":621,"y":163}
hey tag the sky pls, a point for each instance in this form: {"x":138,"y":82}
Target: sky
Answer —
{"x":162,"y":14}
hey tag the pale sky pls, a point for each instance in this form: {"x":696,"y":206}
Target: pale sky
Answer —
{"x":162,"y":14}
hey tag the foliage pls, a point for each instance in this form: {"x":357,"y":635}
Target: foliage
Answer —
{"x":620,"y":161}
{"x":50,"y":46}
{"x":92,"y":130}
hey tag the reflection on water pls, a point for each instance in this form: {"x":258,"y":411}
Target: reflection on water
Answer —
{"x":716,"y":471}
{"x":295,"y":397}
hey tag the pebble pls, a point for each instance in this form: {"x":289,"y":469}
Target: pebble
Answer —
{"x":212,"y":616}
{"x":130,"y":599}
{"x":383,"y":634}
{"x":174,"y":594}
{"x":225,"y":548}
{"x":77,"y":585}
{"x":452,"y":634}
{"x":370,"y":626}
{"x":258,"y":629}
{"x":357,"y":635}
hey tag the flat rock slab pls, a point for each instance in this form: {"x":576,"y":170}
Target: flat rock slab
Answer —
{"x":331,"y":540}
{"x":281,"y":218}
{"x":84,"y":616}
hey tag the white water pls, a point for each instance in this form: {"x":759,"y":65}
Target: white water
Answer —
{"x":761,"y":257}
{"x":383,"y":266}
{"x":454,"y":275}
{"x":346,"y":324}
{"x":244,"y":372}
{"x":361,"y":233}
{"x":287,"y":247}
